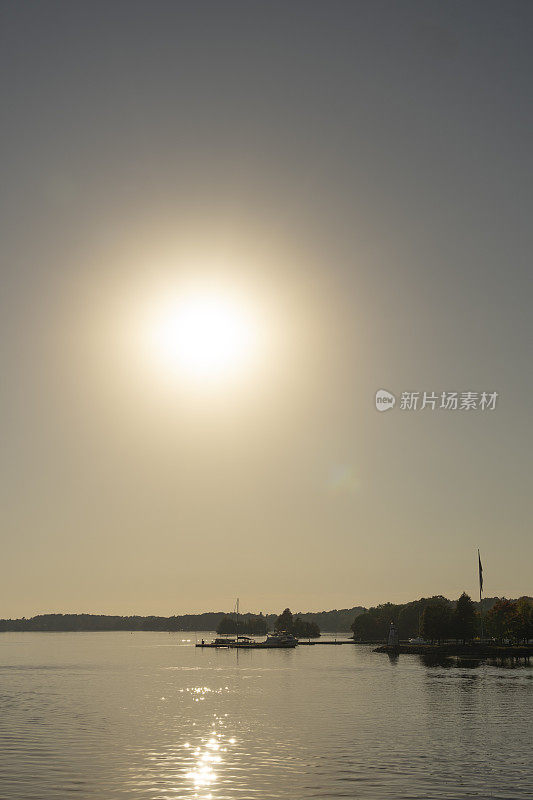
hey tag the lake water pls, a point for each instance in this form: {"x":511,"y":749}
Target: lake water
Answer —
{"x":149,"y":716}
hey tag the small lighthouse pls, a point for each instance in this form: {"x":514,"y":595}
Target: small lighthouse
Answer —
{"x":393,"y":640}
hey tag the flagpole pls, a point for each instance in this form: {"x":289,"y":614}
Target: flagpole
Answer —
{"x":480,"y":569}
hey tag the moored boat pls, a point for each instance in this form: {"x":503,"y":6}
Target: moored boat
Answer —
{"x":280,"y":639}
{"x":276,"y":640}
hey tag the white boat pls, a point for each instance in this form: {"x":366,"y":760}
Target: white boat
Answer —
{"x":280,"y":639}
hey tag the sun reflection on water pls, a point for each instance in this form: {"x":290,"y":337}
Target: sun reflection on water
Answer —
{"x":199,"y":692}
{"x":197,"y":760}
{"x":206,"y":758}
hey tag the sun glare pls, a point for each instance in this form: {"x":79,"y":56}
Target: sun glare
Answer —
{"x":205,"y":335}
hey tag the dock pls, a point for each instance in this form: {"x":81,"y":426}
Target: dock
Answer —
{"x":263,"y":646}
{"x":342,"y":641}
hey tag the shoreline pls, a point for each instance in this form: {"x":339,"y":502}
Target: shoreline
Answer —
{"x":465,"y":651}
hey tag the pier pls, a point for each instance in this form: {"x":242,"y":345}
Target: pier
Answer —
{"x":264,"y":646}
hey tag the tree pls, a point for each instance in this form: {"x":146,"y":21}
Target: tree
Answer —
{"x":386,"y":613}
{"x":256,"y":626}
{"x":366,"y":628}
{"x":464,"y":619}
{"x":303,"y":629}
{"x":501,"y":619}
{"x":248,"y":625}
{"x":409,"y":619}
{"x":436,"y":619}
{"x":285,"y":621}
{"x":523,"y":619}
{"x":227,"y":625}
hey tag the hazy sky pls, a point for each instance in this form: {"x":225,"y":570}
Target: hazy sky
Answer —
{"x":359,"y":175}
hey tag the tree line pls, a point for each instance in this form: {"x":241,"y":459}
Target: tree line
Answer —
{"x":437,"y":618}
{"x":247,"y":624}
{"x":503,"y":619}
{"x":104,"y":622}
{"x":337,"y":620}
{"x":258,"y":625}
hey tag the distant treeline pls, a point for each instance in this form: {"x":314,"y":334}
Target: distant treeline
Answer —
{"x":337,"y":620}
{"x":437,"y":619}
{"x":257,"y":625}
{"x":247,"y":624}
{"x":367,"y":624}
{"x":102,"y":622}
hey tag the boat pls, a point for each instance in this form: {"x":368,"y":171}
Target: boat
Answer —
{"x":280,"y":639}
{"x":275,"y":640}
{"x":238,"y":640}
{"x":243,"y":641}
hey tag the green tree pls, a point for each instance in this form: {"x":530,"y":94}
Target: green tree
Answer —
{"x":386,"y":613}
{"x":303,"y":629}
{"x":366,"y":628}
{"x":501,"y":619}
{"x":250,"y":625}
{"x":256,"y":626}
{"x":523,"y":620}
{"x":285,"y":621}
{"x":227,"y":625}
{"x":409,"y":619}
{"x":436,"y":619}
{"x":464,"y":619}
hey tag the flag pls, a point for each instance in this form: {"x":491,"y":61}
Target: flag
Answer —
{"x":480,"y":573}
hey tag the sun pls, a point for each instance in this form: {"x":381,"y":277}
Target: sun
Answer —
{"x":203,"y":335}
